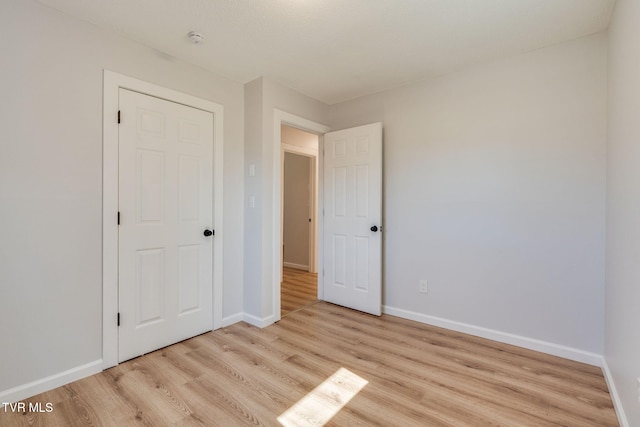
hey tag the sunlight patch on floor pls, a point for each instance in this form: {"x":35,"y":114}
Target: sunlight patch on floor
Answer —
{"x":325,"y":401}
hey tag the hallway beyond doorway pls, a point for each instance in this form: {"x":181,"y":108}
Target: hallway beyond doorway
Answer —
{"x":299,"y":290}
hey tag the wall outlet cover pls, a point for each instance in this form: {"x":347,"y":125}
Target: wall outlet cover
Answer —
{"x":422,"y":286}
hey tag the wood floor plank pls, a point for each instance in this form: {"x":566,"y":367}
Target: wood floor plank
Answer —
{"x":479,"y":373}
{"x":484,"y":369}
{"x":417,"y":375}
{"x":411,"y":373}
{"x":297,"y":290}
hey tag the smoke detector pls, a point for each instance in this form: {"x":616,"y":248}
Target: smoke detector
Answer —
{"x":195,"y":37}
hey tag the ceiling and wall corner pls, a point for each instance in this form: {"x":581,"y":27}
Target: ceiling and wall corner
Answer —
{"x":336,"y":51}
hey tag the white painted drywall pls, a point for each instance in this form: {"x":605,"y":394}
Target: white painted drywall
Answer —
{"x":622,"y":335}
{"x":51,"y":182}
{"x":495,"y":192}
{"x":253,"y":204}
{"x":296,"y":205}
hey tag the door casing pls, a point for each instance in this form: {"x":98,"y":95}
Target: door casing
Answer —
{"x":111,"y":84}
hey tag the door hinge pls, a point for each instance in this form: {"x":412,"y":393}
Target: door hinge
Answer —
{"x":118,"y":116}
{"x":118,"y":318}
{"x":118,"y":217}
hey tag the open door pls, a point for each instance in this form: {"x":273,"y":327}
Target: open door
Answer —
{"x":353,"y":218}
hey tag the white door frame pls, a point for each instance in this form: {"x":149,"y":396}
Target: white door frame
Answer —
{"x":283,"y":118}
{"x":312,"y":154}
{"x":112,"y":83}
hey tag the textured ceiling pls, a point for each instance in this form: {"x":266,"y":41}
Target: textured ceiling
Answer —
{"x":335,"y":50}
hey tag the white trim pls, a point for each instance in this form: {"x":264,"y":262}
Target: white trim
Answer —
{"x":613,"y":392}
{"x":112,"y":83}
{"x":504,"y":337}
{"x":320,"y":214}
{"x":279,"y":118}
{"x":230,"y":320}
{"x":256,"y":321}
{"x":296,"y":266}
{"x":49,"y":383}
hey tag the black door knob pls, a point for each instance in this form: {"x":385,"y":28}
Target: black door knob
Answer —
{"x":374,"y":228}
{"x":208,"y":233}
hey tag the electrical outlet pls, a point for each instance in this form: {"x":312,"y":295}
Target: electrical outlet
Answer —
{"x":423,"y":286}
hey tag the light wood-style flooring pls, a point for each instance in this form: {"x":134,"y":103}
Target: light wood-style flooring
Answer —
{"x":416,"y":375}
{"x":298,"y":289}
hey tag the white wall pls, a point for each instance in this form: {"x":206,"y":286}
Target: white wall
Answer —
{"x":494,"y":192}
{"x":622,"y":342}
{"x":253,"y":246}
{"x":262,"y":97}
{"x":51,"y":182}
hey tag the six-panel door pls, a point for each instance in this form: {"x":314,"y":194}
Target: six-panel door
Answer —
{"x":165,"y":204}
{"x":353,"y":205}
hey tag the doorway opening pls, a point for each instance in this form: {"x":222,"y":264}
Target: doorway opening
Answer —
{"x":284,"y":118}
{"x":299,"y":286}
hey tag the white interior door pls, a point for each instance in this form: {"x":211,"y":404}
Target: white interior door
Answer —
{"x":353,"y":218}
{"x":165,"y":205}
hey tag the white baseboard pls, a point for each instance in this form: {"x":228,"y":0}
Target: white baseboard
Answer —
{"x":234,"y":318}
{"x":256,"y":321}
{"x":504,"y":337}
{"x":296,"y":266}
{"x":45,"y":384}
{"x":613,"y":392}
{"x":249,"y":318}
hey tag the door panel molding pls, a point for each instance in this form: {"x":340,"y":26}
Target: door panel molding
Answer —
{"x":353,"y":217}
{"x":165,"y":203}
{"x":112,"y":83}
